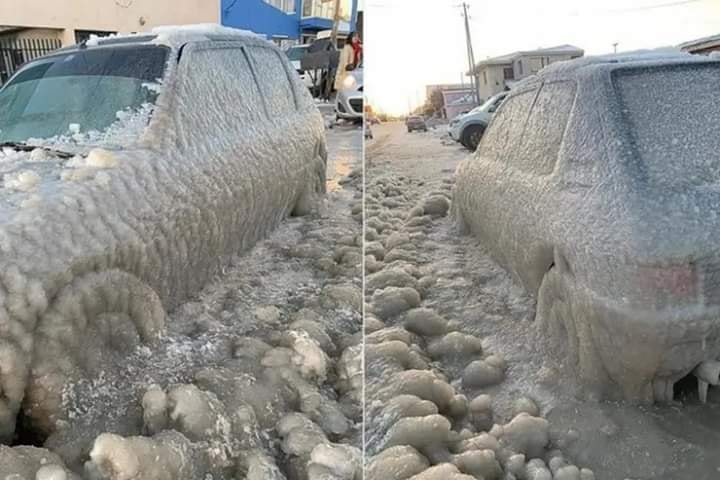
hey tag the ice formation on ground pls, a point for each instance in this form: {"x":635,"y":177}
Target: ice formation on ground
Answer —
{"x":428,"y":413}
{"x":259,"y":378}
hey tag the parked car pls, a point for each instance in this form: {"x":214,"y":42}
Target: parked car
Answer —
{"x":415,"y":122}
{"x":130,"y":177}
{"x":349,"y":101}
{"x":468,"y":129}
{"x":602,"y":202}
{"x":295,"y":54}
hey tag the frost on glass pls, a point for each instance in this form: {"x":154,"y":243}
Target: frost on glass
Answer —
{"x":98,"y":242}
{"x":595,"y":186}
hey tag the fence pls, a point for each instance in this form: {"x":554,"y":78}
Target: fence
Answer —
{"x":16,"y":51}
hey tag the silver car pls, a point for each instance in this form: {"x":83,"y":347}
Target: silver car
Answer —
{"x":349,"y":101}
{"x":596,"y":186}
{"x":130,"y":177}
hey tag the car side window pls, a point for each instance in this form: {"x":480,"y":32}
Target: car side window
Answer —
{"x":505,"y":131}
{"x":274,"y":81}
{"x":229,"y":96}
{"x":545,"y":127}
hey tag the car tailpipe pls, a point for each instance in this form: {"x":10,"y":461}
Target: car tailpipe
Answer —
{"x":707,"y":373}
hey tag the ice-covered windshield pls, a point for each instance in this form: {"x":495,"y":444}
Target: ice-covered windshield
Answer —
{"x":81,"y":94}
{"x":673,"y":120}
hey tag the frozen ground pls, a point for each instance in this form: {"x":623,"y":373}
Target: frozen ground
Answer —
{"x":452,"y":351}
{"x":258,"y":377}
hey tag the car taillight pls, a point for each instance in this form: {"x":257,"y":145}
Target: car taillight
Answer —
{"x":668,"y":284}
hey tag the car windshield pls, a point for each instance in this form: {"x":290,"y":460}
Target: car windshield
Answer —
{"x":81,"y":95}
{"x":296,"y":53}
{"x":674,"y":121}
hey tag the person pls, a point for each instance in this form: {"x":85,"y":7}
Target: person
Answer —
{"x":350,"y":58}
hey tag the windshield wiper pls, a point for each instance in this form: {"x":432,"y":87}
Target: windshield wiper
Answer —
{"x":24,"y":147}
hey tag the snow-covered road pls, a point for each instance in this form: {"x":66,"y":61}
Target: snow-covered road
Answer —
{"x":257,"y":377}
{"x":452,"y":351}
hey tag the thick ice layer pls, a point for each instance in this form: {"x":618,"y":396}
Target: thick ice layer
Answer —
{"x":606,"y":215}
{"x":89,"y":267}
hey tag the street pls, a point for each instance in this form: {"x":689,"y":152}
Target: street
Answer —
{"x":460,"y":289}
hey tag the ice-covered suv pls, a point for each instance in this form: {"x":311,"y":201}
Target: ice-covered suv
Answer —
{"x":597,"y":185}
{"x":133,"y":168}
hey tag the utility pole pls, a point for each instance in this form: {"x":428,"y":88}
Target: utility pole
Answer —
{"x":615,"y":47}
{"x":471,"y":56}
{"x":333,"y":42}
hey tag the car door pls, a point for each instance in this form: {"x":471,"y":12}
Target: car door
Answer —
{"x":530,"y":179}
{"x":491,"y":195}
{"x":221,"y":130}
{"x":293,"y":132}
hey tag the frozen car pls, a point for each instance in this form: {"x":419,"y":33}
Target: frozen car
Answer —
{"x":415,"y":122}
{"x":468,"y":129}
{"x":597,"y":186}
{"x":130,"y":176}
{"x":349,"y":100}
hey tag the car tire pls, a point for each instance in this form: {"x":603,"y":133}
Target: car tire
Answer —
{"x":90,"y":327}
{"x":470,"y":137}
{"x":564,"y":338}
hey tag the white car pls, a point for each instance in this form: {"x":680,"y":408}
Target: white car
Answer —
{"x":349,"y":102}
{"x":295,"y":54}
{"x":468,"y":129}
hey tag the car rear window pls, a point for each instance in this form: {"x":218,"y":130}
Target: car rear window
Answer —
{"x":672,"y":121}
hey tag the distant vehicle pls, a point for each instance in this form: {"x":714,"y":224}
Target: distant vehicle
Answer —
{"x":602,"y":202}
{"x":468,"y":129}
{"x":350,"y":99}
{"x":146,"y":173}
{"x":295,"y":54}
{"x":415,"y":122}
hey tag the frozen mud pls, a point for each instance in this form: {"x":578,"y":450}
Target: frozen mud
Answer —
{"x":258,"y":377}
{"x":466,"y":293}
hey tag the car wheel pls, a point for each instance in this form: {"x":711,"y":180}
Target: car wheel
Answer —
{"x":471,"y":136}
{"x":90,"y":328}
{"x":565,"y":336}
{"x":409,"y":130}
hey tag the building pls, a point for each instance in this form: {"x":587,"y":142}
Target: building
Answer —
{"x":499,"y":73}
{"x":289,"y":21}
{"x":703,"y":45}
{"x":456,"y":98}
{"x":71,"y":21}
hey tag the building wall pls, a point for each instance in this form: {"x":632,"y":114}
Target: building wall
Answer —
{"x":122,"y":16}
{"x":260,"y":17}
{"x":491,"y":81}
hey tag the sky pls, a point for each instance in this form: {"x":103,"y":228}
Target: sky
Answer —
{"x":412,"y":43}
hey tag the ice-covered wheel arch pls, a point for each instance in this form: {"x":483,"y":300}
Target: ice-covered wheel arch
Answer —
{"x":92,"y":322}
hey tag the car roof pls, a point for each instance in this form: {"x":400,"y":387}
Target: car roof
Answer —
{"x":173,"y":36}
{"x":605,"y":63}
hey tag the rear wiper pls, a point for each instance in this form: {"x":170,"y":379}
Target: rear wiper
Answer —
{"x":24,"y":147}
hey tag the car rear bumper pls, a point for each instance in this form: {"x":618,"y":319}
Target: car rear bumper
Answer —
{"x":644,"y":352}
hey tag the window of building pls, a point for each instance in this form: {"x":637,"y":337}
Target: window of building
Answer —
{"x":287,"y":6}
{"x":520,"y":68}
{"x":274,"y":81}
{"x":508,"y":73}
{"x":485,"y":76}
{"x":324,"y":9}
